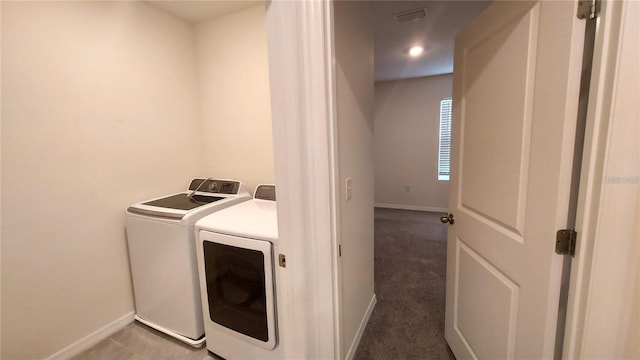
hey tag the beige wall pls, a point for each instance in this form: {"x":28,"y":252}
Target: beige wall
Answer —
{"x":234,"y":91}
{"x":99,"y":110}
{"x":106,"y":104}
{"x":407,"y":121}
{"x":354,"y":88}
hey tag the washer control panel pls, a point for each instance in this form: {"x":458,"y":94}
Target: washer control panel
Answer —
{"x":215,"y":186}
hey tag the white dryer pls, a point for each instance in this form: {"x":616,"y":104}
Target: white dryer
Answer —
{"x":161,"y":239}
{"x":236,"y":250}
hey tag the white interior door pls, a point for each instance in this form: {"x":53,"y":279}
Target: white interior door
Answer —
{"x":516,"y":79}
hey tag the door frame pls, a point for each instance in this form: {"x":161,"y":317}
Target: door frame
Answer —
{"x":596,"y":233}
{"x":301,"y":67}
{"x":304,"y":131}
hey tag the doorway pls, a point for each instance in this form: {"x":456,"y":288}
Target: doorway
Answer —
{"x":410,"y":192}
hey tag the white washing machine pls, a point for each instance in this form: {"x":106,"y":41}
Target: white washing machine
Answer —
{"x":236,"y":250}
{"x":161,"y":240}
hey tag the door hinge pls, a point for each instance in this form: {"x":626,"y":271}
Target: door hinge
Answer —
{"x":588,"y":9}
{"x":339,"y":250}
{"x":566,"y":242}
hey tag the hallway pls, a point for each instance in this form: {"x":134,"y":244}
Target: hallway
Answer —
{"x":410,"y":261}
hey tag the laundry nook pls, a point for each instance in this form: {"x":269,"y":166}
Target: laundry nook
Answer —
{"x":159,"y":113}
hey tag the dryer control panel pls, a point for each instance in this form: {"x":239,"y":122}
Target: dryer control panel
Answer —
{"x":265,"y":192}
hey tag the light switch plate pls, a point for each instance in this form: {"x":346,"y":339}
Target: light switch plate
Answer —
{"x":348,"y":189}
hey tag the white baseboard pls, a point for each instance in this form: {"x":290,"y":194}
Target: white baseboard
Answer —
{"x":93,"y":338}
{"x":363,"y":324}
{"x":412,"y":207}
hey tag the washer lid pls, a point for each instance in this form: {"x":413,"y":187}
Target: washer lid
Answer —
{"x":254,"y":219}
{"x":183,"y":201}
{"x":203,"y":197}
{"x":185,"y":209}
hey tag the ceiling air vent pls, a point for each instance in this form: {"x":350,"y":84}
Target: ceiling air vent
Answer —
{"x":412,"y":15}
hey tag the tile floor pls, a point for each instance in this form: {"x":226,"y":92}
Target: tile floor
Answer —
{"x":138,"y":342}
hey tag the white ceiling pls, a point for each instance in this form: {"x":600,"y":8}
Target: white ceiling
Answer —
{"x":197,"y":11}
{"x":436,"y":32}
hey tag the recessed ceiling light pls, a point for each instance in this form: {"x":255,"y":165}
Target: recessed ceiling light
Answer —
{"x":415,"y":51}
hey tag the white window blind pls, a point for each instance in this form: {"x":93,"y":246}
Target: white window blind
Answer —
{"x":444,"y":149}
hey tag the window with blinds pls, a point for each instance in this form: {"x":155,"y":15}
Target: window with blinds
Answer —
{"x":444,"y":147}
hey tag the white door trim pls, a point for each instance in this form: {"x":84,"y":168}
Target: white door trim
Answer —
{"x":335,"y":179}
{"x":593,"y":256}
{"x":302,"y":99}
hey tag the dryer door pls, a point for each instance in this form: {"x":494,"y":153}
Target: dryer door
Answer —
{"x":240,"y":287}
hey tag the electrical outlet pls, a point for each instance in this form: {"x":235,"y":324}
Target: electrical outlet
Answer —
{"x":407,"y":188}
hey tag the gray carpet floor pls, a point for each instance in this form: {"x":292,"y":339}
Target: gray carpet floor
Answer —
{"x":410,"y":260}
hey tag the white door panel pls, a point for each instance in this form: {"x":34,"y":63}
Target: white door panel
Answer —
{"x":500,"y":69}
{"x":480,"y":282}
{"x":516,"y":78}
